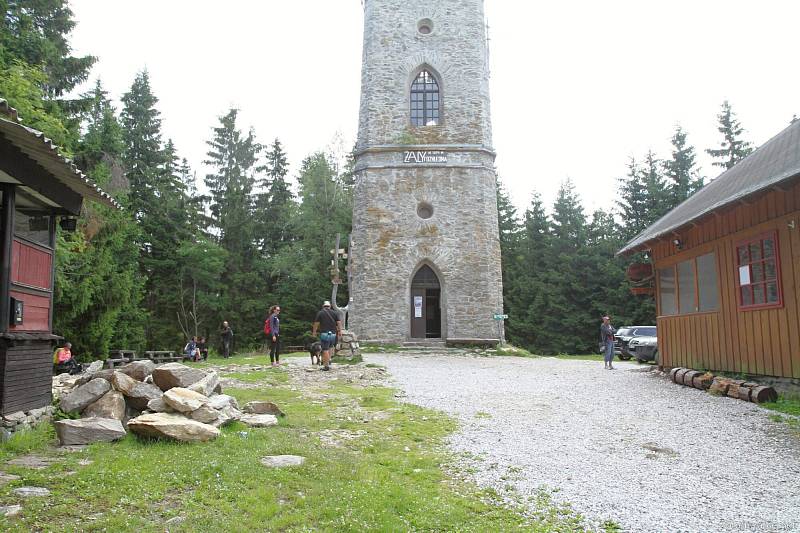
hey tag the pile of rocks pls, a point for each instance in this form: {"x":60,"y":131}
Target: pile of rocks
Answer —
{"x":19,"y":420}
{"x":348,"y":345}
{"x":172,"y":401}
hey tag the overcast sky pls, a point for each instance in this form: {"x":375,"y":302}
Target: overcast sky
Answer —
{"x":577,"y":86}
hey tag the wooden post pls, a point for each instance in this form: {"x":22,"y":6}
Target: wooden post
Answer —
{"x":6,"y":246}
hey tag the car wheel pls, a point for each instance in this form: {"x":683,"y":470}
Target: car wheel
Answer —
{"x":655,"y":357}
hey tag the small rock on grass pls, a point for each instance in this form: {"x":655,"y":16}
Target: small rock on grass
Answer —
{"x":263,"y":408}
{"x":6,"y":478}
{"x":281,"y":461}
{"x":10,"y":510}
{"x":259,"y":421}
{"x":32,"y":461}
{"x":29,"y":492}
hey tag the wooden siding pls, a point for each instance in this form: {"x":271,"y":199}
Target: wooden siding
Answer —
{"x":757,"y":341}
{"x":31,"y":265}
{"x":26,"y":372}
{"x":36,"y":312}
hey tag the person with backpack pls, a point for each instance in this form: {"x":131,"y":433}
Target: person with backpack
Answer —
{"x":272,"y":329}
{"x":65,"y":362}
{"x":328,"y":323}
{"x":190,"y":351}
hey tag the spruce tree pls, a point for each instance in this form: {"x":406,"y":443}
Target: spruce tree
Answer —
{"x":143,"y":155}
{"x":98,"y":289}
{"x":275,"y":204}
{"x":733,"y":148}
{"x":681,"y":170}
{"x":657,"y":201}
{"x":36,"y":33}
{"x":633,"y":200}
{"x":233,"y":158}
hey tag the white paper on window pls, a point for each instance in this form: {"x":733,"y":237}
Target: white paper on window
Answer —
{"x":744,"y":275}
{"x":417,"y":306}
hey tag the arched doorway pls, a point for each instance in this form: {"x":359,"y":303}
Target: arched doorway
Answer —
{"x":426,"y":309}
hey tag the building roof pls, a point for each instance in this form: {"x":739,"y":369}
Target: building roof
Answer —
{"x":777,"y":161}
{"x":42,"y":150}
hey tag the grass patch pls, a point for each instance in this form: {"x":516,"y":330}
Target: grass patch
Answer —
{"x":385,"y":475}
{"x":482,"y":414}
{"x":273,"y":376}
{"x":787,"y":403}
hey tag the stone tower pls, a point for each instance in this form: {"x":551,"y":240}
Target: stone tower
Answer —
{"x":425,"y":254}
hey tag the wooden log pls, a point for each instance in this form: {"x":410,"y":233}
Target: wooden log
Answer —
{"x":744,"y":393}
{"x":673,"y":372}
{"x":688,"y":376}
{"x":703,"y":381}
{"x":719,"y":386}
{"x":679,"y":375}
{"x":733,"y":390}
{"x":763,"y":394}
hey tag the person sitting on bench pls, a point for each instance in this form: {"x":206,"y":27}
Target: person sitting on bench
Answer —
{"x":65,"y":362}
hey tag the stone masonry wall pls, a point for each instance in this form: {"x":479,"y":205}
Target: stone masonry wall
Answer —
{"x":393,"y":52}
{"x":460,"y":242}
{"x":390,"y":241}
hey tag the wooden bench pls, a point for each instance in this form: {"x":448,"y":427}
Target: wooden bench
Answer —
{"x":120,"y":357}
{"x":162,"y":356}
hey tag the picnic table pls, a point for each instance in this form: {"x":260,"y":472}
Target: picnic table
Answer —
{"x":162,"y":356}
{"x":120,"y":357}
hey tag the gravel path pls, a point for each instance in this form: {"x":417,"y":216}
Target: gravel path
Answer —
{"x":623,"y":445}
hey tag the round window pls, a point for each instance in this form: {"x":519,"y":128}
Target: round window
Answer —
{"x":424,"y":210}
{"x":425,"y":26}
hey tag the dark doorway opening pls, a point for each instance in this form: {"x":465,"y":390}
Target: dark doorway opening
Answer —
{"x":426,"y":309}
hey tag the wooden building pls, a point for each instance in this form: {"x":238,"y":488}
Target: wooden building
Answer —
{"x":38,"y":188}
{"x":727,"y":268}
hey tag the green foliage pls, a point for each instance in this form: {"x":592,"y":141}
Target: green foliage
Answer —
{"x":35,"y":32}
{"x":98,"y":291}
{"x":21,"y":86}
{"x":733,"y":148}
{"x":681,"y":170}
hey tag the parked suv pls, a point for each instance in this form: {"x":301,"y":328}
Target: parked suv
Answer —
{"x":625,"y":336}
{"x":644,"y":348}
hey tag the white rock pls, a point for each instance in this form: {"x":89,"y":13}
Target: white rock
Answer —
{"x":171,"y":375}
{"x":159,"y":406}
{"x":204,"y":414}
{"x":220,"y":401}
{"x":172,"y":426}
{"x":28,"y":492}
{"x":111,"y":405}
{"x":10,"y":510}
{"x":280,"y":461}
{"x":258,"y":421}
{"x":184,"y":400}
{"x":206,"y":385}
{"x":88,"y":430}
{"x":78,"y":399}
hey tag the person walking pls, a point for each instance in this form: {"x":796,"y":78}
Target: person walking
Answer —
{"x":607,"y":339}
{"x":329,"y":325}
{"x":274,"y":334}
{"x":227,"y":338}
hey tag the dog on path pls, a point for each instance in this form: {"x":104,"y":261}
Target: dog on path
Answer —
{"x":316,"y":353}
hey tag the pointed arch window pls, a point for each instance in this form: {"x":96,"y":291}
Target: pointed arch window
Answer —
{"x":425,"y":100}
